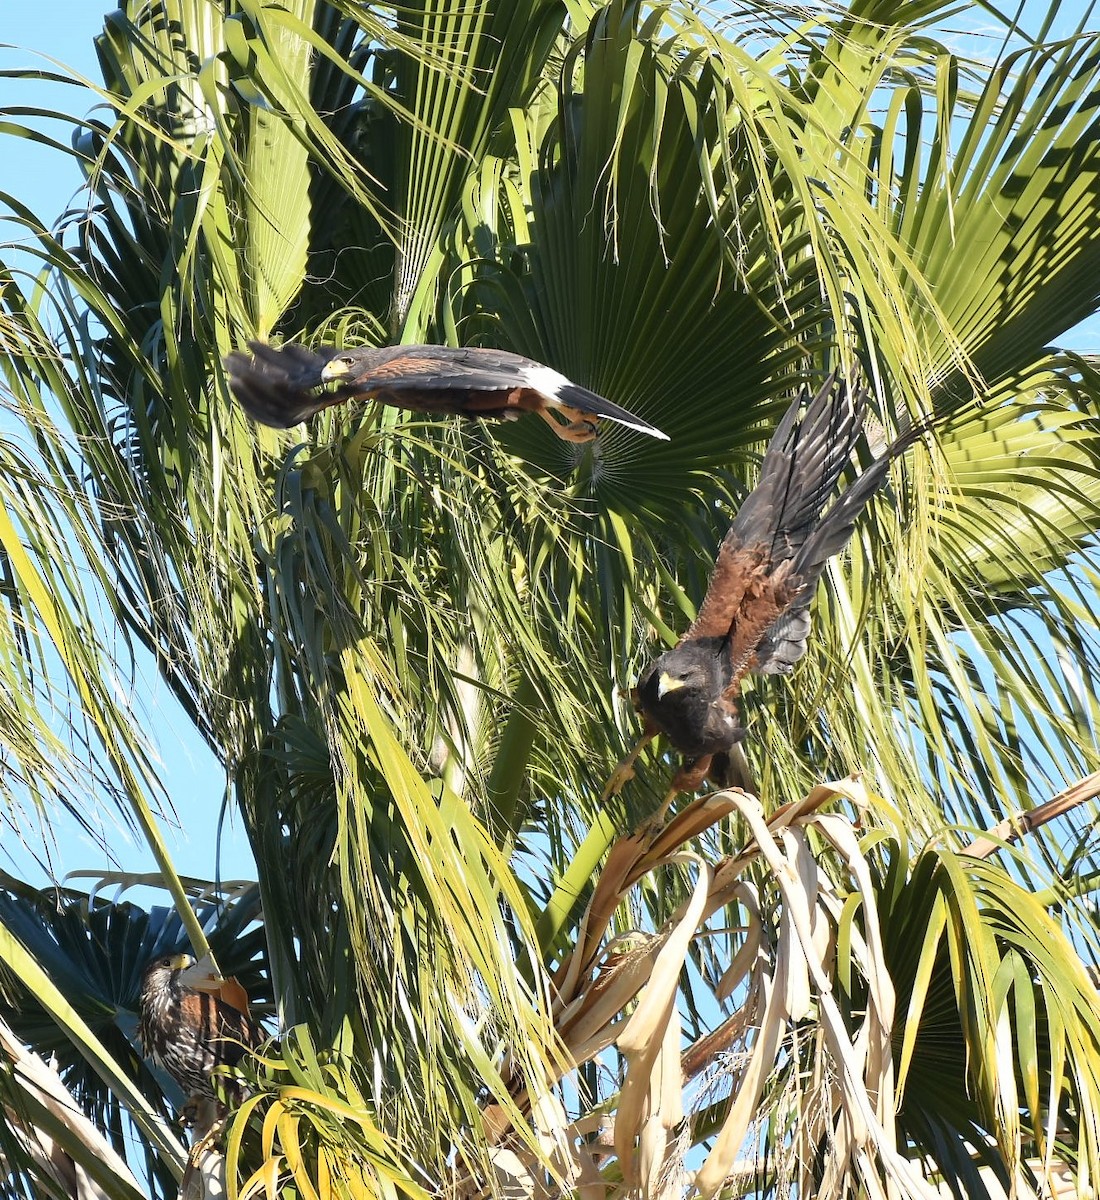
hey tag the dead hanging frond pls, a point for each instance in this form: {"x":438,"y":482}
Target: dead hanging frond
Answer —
{"x":1013,"y":828}
{"x":68,"y":1154}
{"x":794,"y":1085}
{"x":621,"y":992}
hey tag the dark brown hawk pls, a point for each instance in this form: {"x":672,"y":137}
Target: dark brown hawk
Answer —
{"x":187,"y":1029}
{"x":755,"y":615}
{"x":281,"y":387}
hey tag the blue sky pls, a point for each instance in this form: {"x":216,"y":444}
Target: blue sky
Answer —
{"x":63,"y":31}
{"x":45,"y":181}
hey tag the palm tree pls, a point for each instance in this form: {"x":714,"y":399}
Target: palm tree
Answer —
{"x":410,"y":643}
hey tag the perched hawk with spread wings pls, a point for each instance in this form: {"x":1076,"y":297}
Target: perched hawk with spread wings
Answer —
{"x":189,"y":1030}
{"x":755,"y":615}
{"x":281,"y":387}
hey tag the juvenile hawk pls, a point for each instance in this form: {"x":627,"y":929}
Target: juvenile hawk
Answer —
{"x":189,"y":1031}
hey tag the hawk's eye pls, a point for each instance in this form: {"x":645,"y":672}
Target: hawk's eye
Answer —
{"x":166,"y":961}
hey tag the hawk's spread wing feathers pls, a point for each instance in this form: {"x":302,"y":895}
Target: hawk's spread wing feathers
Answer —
{"x":800,"y":469}
{"x":282,"y":387}
{"x":785,"y":642}
{"x":801,"y":466}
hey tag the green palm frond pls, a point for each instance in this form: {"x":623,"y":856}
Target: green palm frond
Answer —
{"x":1015,"y":196}
{"x":52,"y":558}
{"x":320,"y":1136}
{"x":1000,"y":1028}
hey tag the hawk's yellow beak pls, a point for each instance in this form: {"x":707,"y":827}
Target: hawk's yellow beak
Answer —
{"x":667,"y":683}
{"x":202,"y":976}
{"x":335,"y":368}
{"x":180,"y":962}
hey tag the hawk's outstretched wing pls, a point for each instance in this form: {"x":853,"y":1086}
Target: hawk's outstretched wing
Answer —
{"x":282,"y":387}
{"x":762,"y":576}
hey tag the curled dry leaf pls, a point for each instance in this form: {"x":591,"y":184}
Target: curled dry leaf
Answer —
{"x":646,"y":1040}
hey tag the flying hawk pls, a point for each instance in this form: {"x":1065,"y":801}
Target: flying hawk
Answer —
{"x":755,"y":615}
{"x":283,"y":386}
{"x":189,"y":1030}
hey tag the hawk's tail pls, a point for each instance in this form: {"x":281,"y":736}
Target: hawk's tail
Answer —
{"x":572,"y":395}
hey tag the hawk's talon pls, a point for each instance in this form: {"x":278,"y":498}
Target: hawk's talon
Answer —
{"x":578,"y":432}
{"x":659,"y":816}
{"x":624,"y":768}
{"x":207,"y":1142}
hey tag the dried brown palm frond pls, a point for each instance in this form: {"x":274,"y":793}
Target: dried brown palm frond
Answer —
{"x":64,"y":1150}
{"x":800,"y":1077}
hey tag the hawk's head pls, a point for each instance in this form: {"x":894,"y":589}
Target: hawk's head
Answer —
{"x":683,"y":694}
{"x":161,"y":970}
